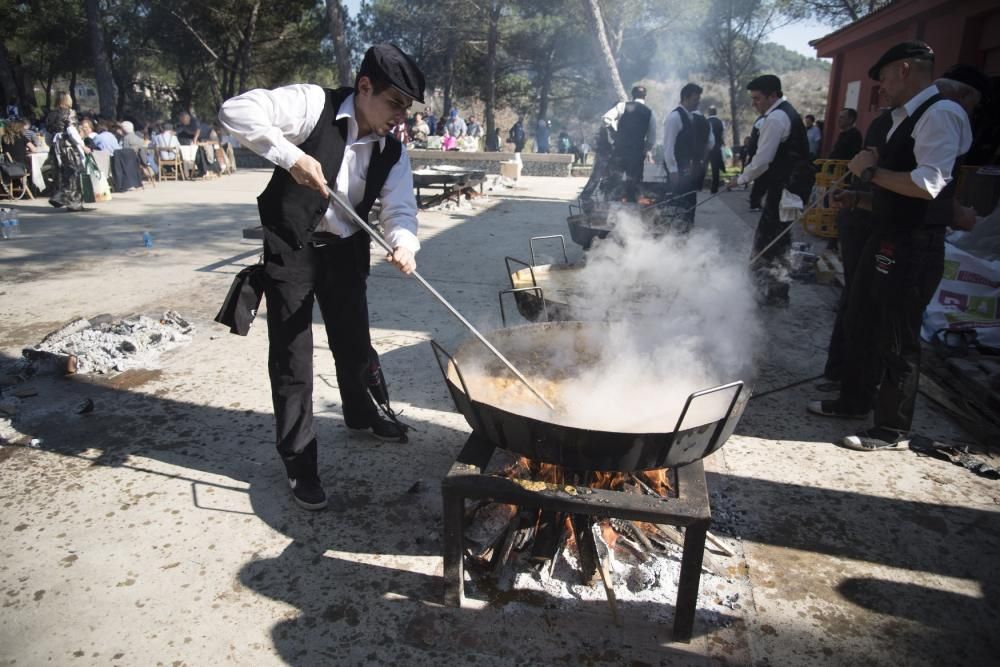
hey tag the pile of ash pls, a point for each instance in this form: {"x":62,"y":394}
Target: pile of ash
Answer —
{"x":105,"y":345}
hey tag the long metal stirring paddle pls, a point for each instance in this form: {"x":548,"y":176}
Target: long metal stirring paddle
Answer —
{"x":346,"y":206}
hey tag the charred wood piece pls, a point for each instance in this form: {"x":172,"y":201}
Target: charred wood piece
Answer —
{"x":604,"y":567}
{"x":586,"y":548}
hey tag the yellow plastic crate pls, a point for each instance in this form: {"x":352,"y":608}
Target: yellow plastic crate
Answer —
{"x":829,"y":172}
{"x":821,"y":222}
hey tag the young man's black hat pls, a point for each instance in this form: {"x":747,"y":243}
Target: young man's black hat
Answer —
{"x":396,"y":68}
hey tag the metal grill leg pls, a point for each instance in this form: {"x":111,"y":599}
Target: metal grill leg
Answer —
{"x":454,"y":567}
{"x":690,"y":580}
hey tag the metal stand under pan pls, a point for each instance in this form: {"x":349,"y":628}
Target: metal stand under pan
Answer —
{"x":689,"y":508}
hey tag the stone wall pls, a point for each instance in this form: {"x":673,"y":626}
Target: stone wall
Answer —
{"x":533,"y":164}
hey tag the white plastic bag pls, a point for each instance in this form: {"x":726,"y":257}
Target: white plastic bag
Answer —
{"x":967,"y":297}
{"x":790,"y":207}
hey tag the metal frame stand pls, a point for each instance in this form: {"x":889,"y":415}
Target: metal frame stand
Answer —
{"x":690,"y":509}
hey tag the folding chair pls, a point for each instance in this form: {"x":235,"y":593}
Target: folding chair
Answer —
{"x":169,"y":158}
{"x":16,"y":187}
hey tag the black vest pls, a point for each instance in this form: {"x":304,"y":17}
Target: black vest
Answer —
{"x":793,"y":150}
{"x":632,"y":128}
{"x":895,"y":211}
{"x":686,"y":145}
{"x":290,"y":212}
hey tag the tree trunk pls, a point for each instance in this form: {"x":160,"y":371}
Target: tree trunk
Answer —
{"x":593,"y":10}
{"x":72,"y":89}
{"x":7,"y":76}
{"x":48,"y":84}
{"x":449,"y":72}
{"x":492,"y":37}
{"x":734,"y":90}
{"x":341,"y":49}
{"x":545,"y":85}
{"x":102,"y":66}
{"x":246,"y":47}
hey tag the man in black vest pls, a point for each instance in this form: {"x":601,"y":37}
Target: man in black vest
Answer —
{"x":903,"y":260}
{"x":715,"y":155}
{"x":782,"y":162}
{"x":685,"y":146}
{"x":313,"y":251}
{"x":632,"y":129}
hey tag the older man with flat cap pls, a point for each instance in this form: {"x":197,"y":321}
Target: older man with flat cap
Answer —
{"x":903,"y":259}
{"x":313,"y":251}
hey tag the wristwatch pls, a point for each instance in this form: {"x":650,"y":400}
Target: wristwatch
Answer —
{"x":867,"y":174}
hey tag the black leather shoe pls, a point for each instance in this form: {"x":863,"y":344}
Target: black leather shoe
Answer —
{"x":308,"y":492}
{"x":384,"y":429}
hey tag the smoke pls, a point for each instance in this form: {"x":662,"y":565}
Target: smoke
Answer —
{"x":669,"y":315}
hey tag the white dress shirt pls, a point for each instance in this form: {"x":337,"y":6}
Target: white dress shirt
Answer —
{"x":614,"y":114}
{"x":672,"y":126}
{"x":273,"y":123}
{"x":165,"y":140}
{"x":940,"y":136}
{"x":775,"y":128}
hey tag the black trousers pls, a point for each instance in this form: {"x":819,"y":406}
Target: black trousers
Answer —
{"x":334,"y":275}
{"x":771,"y":270}
{"x":718,"y":165}
{"x":631,"y":166}
{"x":853,"y":228}
{"x":757,"y":190}
{"x":686,"y":183}
{"x":896,"y":279}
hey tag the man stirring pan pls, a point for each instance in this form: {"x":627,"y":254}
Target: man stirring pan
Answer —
{"x":312,"y":250}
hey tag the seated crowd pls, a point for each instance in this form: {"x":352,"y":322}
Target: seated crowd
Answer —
{"x":124,"y":152}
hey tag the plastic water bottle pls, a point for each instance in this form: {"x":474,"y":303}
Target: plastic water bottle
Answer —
{"x":15,"y":225}
{"x":5,"y":225}
{"x":147,"y":239}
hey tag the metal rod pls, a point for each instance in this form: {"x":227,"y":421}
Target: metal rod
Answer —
{"x":839,"y":181}
{"x":349,"y":209}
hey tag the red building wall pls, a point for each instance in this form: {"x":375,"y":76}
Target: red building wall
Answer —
{"x":957,"y":30}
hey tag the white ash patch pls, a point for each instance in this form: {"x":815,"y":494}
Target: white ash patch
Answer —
{"x":103,"y":345}
{"x":651,"y":583}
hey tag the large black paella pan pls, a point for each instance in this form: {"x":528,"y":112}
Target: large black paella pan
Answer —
{"x":499,"y":408}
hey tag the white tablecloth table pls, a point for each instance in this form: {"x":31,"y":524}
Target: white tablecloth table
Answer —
{"x":37,"y":160}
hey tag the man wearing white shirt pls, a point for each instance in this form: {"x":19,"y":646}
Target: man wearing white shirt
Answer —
{"x":312,"y":250}
{"x":686,"y":143}
{"x":903,"y":260}
{"x":780,"y":163}
{"x":633,"y":127}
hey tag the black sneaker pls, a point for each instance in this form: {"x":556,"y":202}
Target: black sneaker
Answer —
{"x":308,"y":492}
{"x":384,"y":429}
{"x":834,"y":409}
{"x":874,"y":439}
{"x":828,"y":386}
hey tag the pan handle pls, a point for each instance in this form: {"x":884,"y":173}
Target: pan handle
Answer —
{"x":541,"y":295}
{"x":510,"y":273}
{"x":738,"y":385}
{"x":438,"y":351}
{"x":531,"y":246}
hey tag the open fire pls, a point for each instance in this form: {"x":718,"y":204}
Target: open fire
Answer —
{"x":505,"y":541}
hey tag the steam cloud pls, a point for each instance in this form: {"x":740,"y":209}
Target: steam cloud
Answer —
{"x":680,"y":317}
